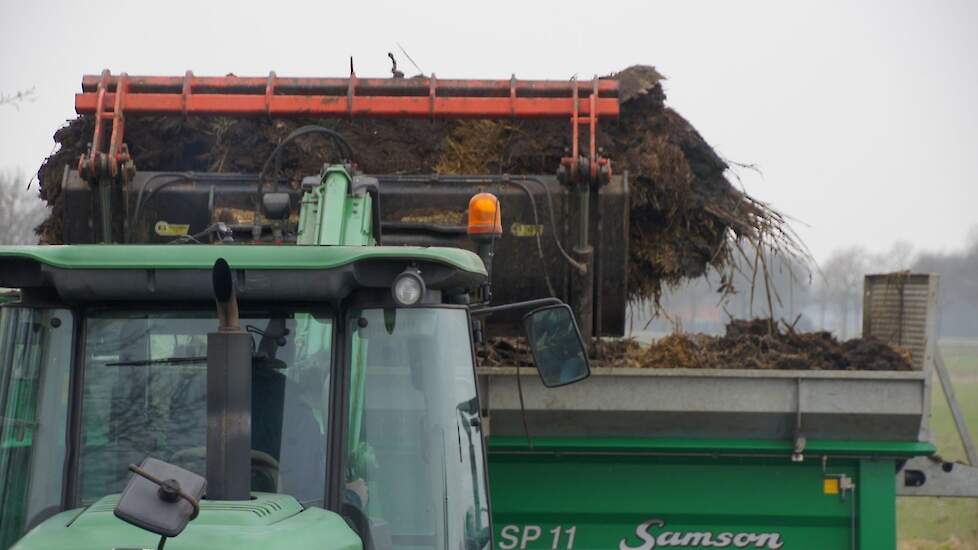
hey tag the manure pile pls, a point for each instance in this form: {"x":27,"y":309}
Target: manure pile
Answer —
{"x":686,"y":217}
{"x":753,"y":344}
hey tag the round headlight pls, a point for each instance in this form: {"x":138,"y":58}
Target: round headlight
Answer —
{"x":408,"y":288}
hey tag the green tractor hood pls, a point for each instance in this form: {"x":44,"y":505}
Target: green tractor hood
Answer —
{"x":268,"y":521}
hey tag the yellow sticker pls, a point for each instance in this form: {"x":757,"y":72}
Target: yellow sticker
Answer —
{"x":525,"y":230}
{"x":830,"y":486}
{"x":164,"y":229}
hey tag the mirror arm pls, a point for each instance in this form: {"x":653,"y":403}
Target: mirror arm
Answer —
{"x":529,"y":304}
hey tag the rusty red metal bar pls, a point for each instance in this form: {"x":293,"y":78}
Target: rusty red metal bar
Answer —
{"x":339,"y":86}
{"x":92,"y":164}
{"x":411,"y":98}
{"x":593,"y":128}
{"x":358,"y":106}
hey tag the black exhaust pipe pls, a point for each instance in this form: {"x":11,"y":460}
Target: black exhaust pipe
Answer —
{"x":228,"y":396}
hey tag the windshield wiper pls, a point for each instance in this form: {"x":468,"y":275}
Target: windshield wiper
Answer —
{"x":161,"y":361}
{"x":260,"y":357}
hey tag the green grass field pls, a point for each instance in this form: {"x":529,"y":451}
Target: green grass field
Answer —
{"x":946,"y":523}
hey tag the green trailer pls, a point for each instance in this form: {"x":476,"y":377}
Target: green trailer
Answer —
{"x":644,"y":494}
{"x":637,"y":459}
{"x":745,"y":488}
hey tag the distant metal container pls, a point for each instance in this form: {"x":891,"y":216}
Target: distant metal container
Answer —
{"x":899,"y":308}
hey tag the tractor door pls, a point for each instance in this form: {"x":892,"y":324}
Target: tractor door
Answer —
{"x":35,"y":363}
{"x":415,"y":455}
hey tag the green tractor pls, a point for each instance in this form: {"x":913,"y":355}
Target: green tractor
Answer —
{"x":295,"y":383}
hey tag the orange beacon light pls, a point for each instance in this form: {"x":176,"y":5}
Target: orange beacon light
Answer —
{"x":485,"y":220}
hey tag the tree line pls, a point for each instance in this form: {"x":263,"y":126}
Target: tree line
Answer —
{"x":823,"y":296}
{"x":21,"y":210}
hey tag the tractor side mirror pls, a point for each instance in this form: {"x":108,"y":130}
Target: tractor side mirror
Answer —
{"x":160,"y":498}
{"x":557,"y":347}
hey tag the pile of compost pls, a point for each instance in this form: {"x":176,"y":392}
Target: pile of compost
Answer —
{"x":686,"y":216}
{"x":753,"y":344}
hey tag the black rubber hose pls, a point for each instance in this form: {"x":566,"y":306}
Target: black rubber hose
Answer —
{"x":338,"y":140}
{"x":137,"y":210}
{"x":536,"y":223}
{"x":553,"y":224}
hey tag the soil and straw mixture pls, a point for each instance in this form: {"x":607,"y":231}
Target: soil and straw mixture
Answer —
{"x":686,"y":216}
{"x":754,"y":344}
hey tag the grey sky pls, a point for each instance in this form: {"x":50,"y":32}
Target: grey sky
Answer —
{"x":862,"y":116}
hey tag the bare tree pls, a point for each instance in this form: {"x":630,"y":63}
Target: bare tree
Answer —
{"x":900,"y":257}
{"x":20,"y":210}
{"x":843,"y":274}
{"x":958,"y":287}
{"x":17,"y":98}
{"x":706,"y":304}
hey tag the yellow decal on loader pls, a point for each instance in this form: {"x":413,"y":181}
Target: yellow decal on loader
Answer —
{"x":164,"y":229}
{"x":525,"y":230}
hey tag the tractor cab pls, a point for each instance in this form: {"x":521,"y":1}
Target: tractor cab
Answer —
{"x":329,"y":397}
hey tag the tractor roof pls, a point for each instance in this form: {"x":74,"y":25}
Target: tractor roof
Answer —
{"x":91,"y":273}
{"x":248,"y":256}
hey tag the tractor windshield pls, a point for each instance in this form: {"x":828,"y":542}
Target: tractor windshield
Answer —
{"x":415,"y":464}
{"x":145,"y":394}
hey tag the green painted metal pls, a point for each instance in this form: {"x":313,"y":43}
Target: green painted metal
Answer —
{"x":358,"y":384}
{"x":593,"y":493}
{"x":266,"y":522}
{"x":243,"y":256}
{"x":356,"y":221}
{"x":876,"y":494}
{"x":331,"y":215}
